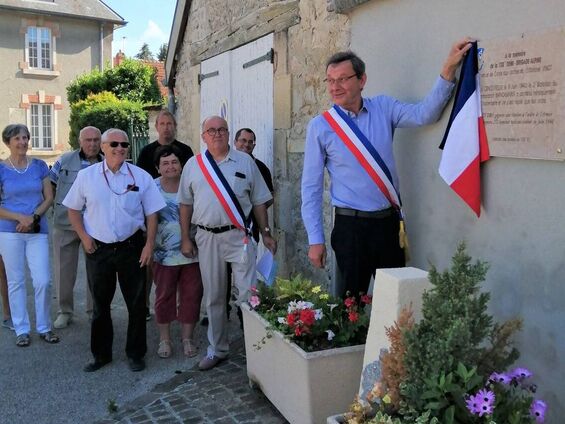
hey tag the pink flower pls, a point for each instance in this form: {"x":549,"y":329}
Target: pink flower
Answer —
{"x":353,"y":316}
{"x":349,"y":302}
{"x":254,"y":301}
{"x":367,"y":299}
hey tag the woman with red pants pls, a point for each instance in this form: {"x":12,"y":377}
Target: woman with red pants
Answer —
{"x":173,"y":273}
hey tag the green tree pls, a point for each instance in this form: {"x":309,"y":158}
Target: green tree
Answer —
{"x":144,"y":53}
{"x":455,"y":331}
{"x":162,"y":54}
{"x":132,"y":80}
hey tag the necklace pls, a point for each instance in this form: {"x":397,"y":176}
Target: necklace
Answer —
{"x":16,"y":169}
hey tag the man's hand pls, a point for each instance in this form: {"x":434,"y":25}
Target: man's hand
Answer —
{"x":458,"y":50}
{"x":188,"y":248}
{"x":269,"y":242}
{"x":88,"y":244}
{"x":317,"y":255}
{"x":146,"y":255}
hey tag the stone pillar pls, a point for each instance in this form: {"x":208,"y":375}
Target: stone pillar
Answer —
{"x":394,"y":289}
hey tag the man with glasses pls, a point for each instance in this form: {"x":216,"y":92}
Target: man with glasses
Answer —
{"x":353,"y":140}
{"x":245,"y":141}
{"x":66,"y":242}
{"x":218,"y":191}
{"x":121,"y":201}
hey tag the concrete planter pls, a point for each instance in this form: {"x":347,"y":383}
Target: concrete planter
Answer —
{"x":304,"y":387}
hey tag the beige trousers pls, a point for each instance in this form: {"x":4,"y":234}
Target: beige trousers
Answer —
{"x":66,"y":244}
{"x":214,"y":251}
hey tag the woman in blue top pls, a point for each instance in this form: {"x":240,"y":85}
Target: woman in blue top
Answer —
{"x":25,"y":196}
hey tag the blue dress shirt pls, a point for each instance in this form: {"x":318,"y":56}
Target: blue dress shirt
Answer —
{"x":350,"y":185}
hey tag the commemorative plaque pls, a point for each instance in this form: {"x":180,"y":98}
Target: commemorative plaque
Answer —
{"x":523,"y":99}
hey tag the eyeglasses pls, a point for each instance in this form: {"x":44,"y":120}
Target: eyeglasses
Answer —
{"x":114,"y":144}
{"x":340,"y":81}
{"x":213,"y":131}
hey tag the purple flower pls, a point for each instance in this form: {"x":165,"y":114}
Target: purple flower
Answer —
{"x":537,"y":410}
{"x":500,"y":378}
{"x":472,"y":405}
{"x":482,"y":403}
{"x":520,"y":373}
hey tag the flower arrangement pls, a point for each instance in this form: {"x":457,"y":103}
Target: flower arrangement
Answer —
{"x":308,"y":316}
{"x":446,"y":368}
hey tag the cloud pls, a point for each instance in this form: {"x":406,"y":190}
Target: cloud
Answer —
{"x":154,"y":32}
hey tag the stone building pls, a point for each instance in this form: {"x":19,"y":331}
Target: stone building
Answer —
{"x":44,"y":45}
{"x":404,"y":44}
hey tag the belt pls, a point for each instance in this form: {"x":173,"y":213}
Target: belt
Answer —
{"x":137,"y":234}
{"x":217,"y":230}
{"x":383,"y":213}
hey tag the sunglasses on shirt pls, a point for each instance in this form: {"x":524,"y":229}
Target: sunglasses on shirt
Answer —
{"x":115,"y":144}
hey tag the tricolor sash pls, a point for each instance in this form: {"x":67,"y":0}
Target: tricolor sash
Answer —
{"x":370,"y":160}
{"x":362,"y":149}
{"x":223,"y":191}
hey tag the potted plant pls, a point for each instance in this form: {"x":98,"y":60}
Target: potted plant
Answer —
{"x":447,"y":367}
{"x":304,"y":347}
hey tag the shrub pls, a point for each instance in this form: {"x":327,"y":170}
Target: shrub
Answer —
{"x":104,"y":111}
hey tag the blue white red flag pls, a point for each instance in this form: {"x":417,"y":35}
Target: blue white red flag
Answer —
{"x":465,"y":144}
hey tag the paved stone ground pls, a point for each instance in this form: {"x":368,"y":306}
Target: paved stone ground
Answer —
{"x":45,"y":384}
{"x":221,"y":395}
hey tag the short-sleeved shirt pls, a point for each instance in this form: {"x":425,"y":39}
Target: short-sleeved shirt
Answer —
{"x":242,"y":175}
{"x":22,"y":192}
{"x":168,"y":240}
{"x":146,"y":157}
{"x":112,"y":212}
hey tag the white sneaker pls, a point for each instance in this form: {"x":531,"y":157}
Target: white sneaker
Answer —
{"x":62,"y":321}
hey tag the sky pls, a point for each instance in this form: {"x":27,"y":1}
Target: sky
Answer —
{"x":148,"y":21}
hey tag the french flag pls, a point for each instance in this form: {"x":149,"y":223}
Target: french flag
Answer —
{"x":465,"y":144}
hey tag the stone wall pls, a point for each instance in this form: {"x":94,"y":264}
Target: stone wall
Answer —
{"x":306,"y":33}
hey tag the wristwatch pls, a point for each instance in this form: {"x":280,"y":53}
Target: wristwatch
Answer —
{"x":267,"y":230}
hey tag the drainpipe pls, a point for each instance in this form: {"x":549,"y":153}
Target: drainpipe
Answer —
{"x":101,"y":46}
{"x":171,"y":105}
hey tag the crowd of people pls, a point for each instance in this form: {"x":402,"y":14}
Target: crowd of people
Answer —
{"x":191,"y":224}
{"x":127,"y":218}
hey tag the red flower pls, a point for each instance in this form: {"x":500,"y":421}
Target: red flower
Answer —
{"x":298,"y":331}
{"x":349,"y":302}
{"x":367,"y":299}
{"x":290,"y":320}
{"x":353,"y":316}
{"x":307,"y":316}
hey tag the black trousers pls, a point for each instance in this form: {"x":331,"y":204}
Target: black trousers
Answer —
{"x":120,"y":258}
{"x":362,"y":245}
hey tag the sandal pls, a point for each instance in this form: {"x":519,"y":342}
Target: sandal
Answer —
{"x":23,"y":340}
{"x":165,"y":349}
{"x":49,"y":337}
{"x":189,"y":348}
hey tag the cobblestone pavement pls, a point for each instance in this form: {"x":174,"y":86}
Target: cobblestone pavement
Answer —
{"x":221,"y":395}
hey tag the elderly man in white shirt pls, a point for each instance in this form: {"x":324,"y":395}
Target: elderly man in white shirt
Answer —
{"x":121,"y":202}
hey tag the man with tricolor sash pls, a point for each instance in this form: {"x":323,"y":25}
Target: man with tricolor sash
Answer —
{"x":353,"y":141}
{"x":219,"y":189}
